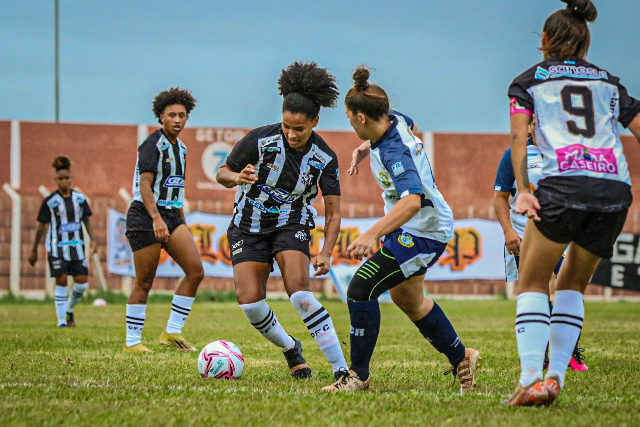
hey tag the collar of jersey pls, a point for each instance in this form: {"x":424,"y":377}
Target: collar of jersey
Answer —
{"x":387,"y":133}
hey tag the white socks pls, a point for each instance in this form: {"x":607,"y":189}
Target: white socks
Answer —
{"x":135,"y":323}
{"x":60,"y":299}
{"x":180,"y":309}
{"x":532,"y":334}
{"x":318,"y":322}
{"x":265,"y":321}
{"x":566,"y":324}
{"x":76,"y":295}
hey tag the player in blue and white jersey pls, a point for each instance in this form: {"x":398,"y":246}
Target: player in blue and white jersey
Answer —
{"x":155,"y":221}
{"x":63,"y":212}
{"x":415,"y":230}
{"x":583,"y":194}
{"x":513,"y":223}
{"x":277,"y":171}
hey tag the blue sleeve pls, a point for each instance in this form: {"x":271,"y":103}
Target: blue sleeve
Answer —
{"x":396,"y":158}
{"x":505,"y":176}
{"x":407,"y":119}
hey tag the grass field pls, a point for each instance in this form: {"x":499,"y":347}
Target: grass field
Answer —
{"x":79,"y":376}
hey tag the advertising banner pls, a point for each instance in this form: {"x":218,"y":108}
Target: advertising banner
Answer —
{"x":622,"y":271}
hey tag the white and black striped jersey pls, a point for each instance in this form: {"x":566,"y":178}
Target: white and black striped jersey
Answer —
{"x":577,"y":107}
{"x":65,"y":215}
{"x":287,"y":182}
{"x":168,"y":162}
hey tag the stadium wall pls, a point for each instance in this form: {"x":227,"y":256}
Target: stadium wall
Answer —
{"x":104,"y":158}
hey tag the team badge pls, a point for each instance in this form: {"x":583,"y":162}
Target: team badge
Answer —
{"x":384,"y":179}
{"x":406,"y":240}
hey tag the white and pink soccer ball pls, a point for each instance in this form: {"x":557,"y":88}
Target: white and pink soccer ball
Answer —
{"x":221,"y":359}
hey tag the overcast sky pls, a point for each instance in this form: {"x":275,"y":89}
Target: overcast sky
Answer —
{"x":447,"y":64}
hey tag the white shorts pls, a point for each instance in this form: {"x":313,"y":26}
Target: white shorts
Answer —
{"x":510,"y":266}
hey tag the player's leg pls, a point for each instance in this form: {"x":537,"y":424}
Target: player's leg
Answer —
{"x":145,"y":260}
{"x":184,"y":252}
{"x":294,"y":266}
{"x":538,"y":257}
{"x":434,"y":325}
{"x":60,"y":296}
{"x":80,"y":272}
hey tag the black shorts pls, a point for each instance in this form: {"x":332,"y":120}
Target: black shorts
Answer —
{"x":594,"y":231}
{"x":61,"y":267}
{"x":264,"y":246}
{"x":140,"y":225}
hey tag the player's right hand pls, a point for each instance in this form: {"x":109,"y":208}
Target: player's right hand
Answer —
{"x":358,"y":155}
{"x":161,"y":230}
{"x":247,"y":175}
{"x":512,"y":242}
{"x":33,"y":258}
{"x":527,"y":204}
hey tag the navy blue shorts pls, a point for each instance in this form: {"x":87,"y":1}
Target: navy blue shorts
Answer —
{"x":414,"y":254}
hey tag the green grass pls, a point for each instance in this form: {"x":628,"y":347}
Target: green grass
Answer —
{"x":79,"y":376}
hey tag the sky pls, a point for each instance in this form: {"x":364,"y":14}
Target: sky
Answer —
{"x":447,"y":64}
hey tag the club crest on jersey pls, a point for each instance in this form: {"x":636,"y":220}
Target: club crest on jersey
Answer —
{"x":384,"y":179}
{"x":397,"y":168}
{"x":580,"y":157}
{"x":174,"y":181}
{"x":277,"y":194}
{"x":406,"y":240}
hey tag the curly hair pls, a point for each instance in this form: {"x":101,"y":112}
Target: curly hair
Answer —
{"x":365,"y":97}
{"x":61,"y":163}
{"x":307,"y":87}
{"x":567,"y":31}
{"x":175,"y":95}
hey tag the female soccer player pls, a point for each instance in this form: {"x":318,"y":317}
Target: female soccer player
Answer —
{"x":582,"y":197}
{"x":155,"y":220}
{"x":64,"y":211}
{"x":277,"y":170}
{"x":415,"y":230}
{"x":504,"y":201}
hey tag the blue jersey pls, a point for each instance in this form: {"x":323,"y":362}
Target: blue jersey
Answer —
{"x":401,"y":167}
{"x":506,"y":181}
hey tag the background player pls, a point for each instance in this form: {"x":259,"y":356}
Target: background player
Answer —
{"x":64,"y":211}
{"x":155,"y":220}
{"x":416,"y":227}
{"x":582,"y":197}
{"x":513,"y":223}
{"x":277,"y":170}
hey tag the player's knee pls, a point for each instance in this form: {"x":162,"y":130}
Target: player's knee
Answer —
{"x":196,"y":275}
{"x":359,"y":289}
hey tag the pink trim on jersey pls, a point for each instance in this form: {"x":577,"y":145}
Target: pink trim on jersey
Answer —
{"x":515,"y":108}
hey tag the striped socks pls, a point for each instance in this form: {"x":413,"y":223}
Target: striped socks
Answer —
{"x":265,"y":321}
{"x":135,"y":323}
{"x":76,"y":295}
{"x":532,"y":334}
{"x":60,"y":299}
{"x":180,"y":309}
{"x":319,"y":324}
{"x":566,"y":325}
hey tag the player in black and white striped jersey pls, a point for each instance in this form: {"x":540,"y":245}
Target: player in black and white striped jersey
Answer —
{"x":63,"y":212}
{"x":277,"y":170}
{"x":155,"y":220}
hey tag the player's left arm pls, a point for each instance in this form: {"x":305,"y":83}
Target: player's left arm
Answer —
{"x":322,"y":262}
{"x":634,"y":126}
{"x":87,"y":224}
{"x":526,"y":202}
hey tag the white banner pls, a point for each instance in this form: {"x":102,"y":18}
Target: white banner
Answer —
{"x":475,"y":252}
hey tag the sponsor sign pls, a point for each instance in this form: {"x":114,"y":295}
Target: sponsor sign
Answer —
{"x":622,"y":271}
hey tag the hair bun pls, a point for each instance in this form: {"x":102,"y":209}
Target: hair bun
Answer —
{"x":61,"y":162}
{"x":361,"y":78}
{"x":583,"y":8}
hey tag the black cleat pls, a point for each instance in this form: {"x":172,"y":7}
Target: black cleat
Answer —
{"x":297,"y":365}
{"x":70,"y":320}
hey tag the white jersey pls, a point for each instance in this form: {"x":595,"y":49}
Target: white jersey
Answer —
{"x":506,"y":181}
{"x":401,"y":167}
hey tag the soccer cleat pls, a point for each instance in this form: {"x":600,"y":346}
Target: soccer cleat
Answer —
{"x":534,"y":394}
{"x":297,"y":365}
{"x":467,"y":369}
{"x":347,"y":381}
{"x":70,"y":320}
{"x":552,"y":384}
{"x":138,"y":348}
{"x":576,"y":362}
{"x":175,"y":341}
{"x":64,"y":325}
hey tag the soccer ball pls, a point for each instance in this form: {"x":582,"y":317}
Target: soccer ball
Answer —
{"x":221,"y":359}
